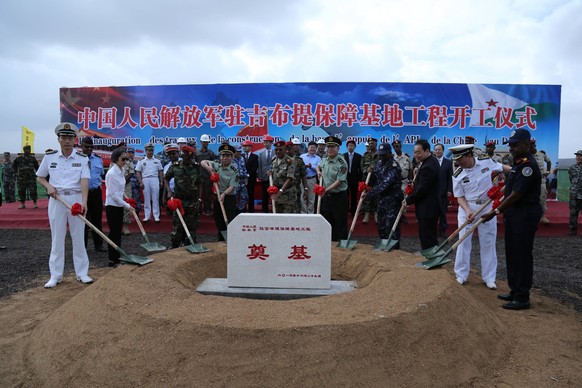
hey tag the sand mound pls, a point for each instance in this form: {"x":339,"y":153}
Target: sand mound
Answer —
{"x":147,"y":326}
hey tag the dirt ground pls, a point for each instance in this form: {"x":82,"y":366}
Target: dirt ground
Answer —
{"x":403,"y":326}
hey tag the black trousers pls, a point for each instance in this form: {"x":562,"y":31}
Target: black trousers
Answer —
{"x":334,"y":208}
{"x":443,"y":201}
{"x":521,"y":223}
{"x":427,"y":232}
{"x":353,"y":195}
{"x":94,"y":215}
{"x":251,"y":191}
{"x":265,"y":196}
{"x":114,"y":216}
{"x":230,"y":210}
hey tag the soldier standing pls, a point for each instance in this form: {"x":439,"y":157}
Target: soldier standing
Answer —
{"x":8,"y":179}
{"x":545,"y":165}
{"x":128,"y":174}
{"x":283,"y":173}
{"x":205,"y":153}
{"x":151,"y":179}
{"x":575,"y":174}
{"x":369,"y":160}
{"x":387,"y":192}
{"x":490,"y":151}
{"x":135,"y":191}
{"x":333,"y":169}
{"x":242,"y":194}
{"x":300,"y":179}
{"x":187,"y":188}
{"x":25,"y":166}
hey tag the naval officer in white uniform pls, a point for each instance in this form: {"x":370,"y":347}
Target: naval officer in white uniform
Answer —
{"x":69,"y":179}
{"x":471,"y":182}
{"x":150,"y":177}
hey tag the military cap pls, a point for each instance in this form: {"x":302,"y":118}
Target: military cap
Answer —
{"x":372,"y":139}
{"x":460,"y":150}
{"x":578,"y":153}
{"x":470,"y":140}
{"x":333,"y":141}
{"x":321,"y":141}
{"x":226,"y":149}
{"x":67,"y":129}
{"x":518,"y":135}
{"x":130,"y":149}
{"x":149,"y":146}
{"x":288,"y":144}
{"x":6,"y":153}
{"x":384,"y":149}
{"x":396,"y":142}
{"x":489,"y":143}
{"x":172,"y":147}
{"x":280,"y":143}
{"x":188,"y":150}
{"x":87,"y":140}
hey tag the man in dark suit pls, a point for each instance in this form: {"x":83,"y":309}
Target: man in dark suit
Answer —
{"x":426,"y":194}
{"x":354,"y":174}
{"x":265,"y":165}
{"x":445,"y":186}
{"x":252,"y":165}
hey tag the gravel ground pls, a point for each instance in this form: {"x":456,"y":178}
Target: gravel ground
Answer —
{"x":24,"y":264}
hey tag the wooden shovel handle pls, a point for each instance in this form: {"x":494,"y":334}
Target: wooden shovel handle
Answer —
{"x":470,"y":231}
{"x":220,"y":203}
{"x":183,"y":224}
{"x":360,"y":202}
{"x":272,"y":200}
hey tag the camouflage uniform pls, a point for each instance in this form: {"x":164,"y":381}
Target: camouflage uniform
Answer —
{"x":575,"y":174}
{"x":25,"y":167}
{"x":542,"y":158}
{"x":369,"y":159}
{"x":128,"y":170}
{"x":242,"y":195}
{"x":405,"y":166}
{"x":387,"y":192}
{"x":8,"y":181}
{"x":135,"y":191}
{"x":300,"y":173}
{"x":507,"y":160}
{"x":186,"y":189}
{"x":282,"y":170}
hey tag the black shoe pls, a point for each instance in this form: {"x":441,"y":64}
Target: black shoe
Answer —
{"x":505,"y":297}
{"x":516,"y":305}
{"x":101,"y":248}
{"x":113,"y":264}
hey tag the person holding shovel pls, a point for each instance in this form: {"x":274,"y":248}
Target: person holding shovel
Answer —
{"x":187,"y":188}
{"x":69,"y":179}
{"x":387,"y":192}
{"x":114,"y":202}
{"x":227,"y":184}
{"x":471,"y":183}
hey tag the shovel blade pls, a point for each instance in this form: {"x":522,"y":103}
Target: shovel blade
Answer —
{"x":153,"y":247}
{"x":434,"y":263}
{"x":347,"y":244}
{"x":135,"y":259}
{"x":385,"y":245}
{"x":197,"y":248}
{"x":224,"y":235}
{"x":431,"y":252}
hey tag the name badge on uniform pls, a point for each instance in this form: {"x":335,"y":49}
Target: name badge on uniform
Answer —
{"x":484,"y":170}
{"x":466,"y":179}
{"x":53,"y":165}
{"x":76,"y":165}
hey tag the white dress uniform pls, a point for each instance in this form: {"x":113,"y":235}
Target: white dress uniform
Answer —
{"x":65,"y":176}
{"x":473,"y":184}
{"x":149,"y":169}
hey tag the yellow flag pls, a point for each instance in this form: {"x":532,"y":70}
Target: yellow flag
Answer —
{"x":28,"y":138}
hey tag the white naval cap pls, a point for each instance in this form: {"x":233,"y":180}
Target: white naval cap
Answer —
{"x":460,"y":150}
{"x":67,"y":129}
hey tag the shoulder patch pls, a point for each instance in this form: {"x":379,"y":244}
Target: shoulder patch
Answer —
{"x":457,"y":172}
{"x":81,"y":154}
{"x":527,"y":171}
{"x":342,"y":161}
{"x":483,"y":156}
{"x":51,"y":152}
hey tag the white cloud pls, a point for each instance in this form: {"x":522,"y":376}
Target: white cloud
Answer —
{"x":47,"y":45}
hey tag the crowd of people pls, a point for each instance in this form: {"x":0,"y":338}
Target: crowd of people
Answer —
{"x":322,"y":179}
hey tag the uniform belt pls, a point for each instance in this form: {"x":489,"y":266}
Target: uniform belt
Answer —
{"x":311,"y":177}
{"x":477,"y":201}
{"x":147,"y":177}
{"x":69,"y":192}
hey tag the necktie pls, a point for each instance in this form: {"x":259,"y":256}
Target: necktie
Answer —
{"x":268,"y":155}
{"x":350,"y":166}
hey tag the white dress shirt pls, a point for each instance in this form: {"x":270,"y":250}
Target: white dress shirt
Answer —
{"x":115,"y":187}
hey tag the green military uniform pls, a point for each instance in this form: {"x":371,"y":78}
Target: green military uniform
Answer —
{"x":369,"y":159}
{"x":228,"y":177}
{"x":575,"y":174}
{"x":283,"y":169}
{"x":186,"y":189}
{"x":128,"y":172}
{"x":334,"y":204}
{"x":541,"y":158}
{"x":300,"y":173}
{"x":25,"y":167}
{"x":8,"y":180}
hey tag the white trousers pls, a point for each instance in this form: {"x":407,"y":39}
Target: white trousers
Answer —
{"x":487,"y":238}
{"x":151,"y":197}
{"x":59,"y":216}
{"x":308,"y":208}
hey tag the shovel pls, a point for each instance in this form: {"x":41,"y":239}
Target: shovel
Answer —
{"x":387,"y":244}
{"x":437,"y":251}
{"x":349,"y":244}
{"x":222,"y":232}
{"x":148,"y":246}
{"x":319,"y":198}
{"x":442,"y":258}
{"x":272,"y":200}
{"x":193,"y":247}
{"x":133,"y":259}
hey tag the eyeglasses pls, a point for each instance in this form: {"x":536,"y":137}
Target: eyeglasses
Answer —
{"x":125,"y":159}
